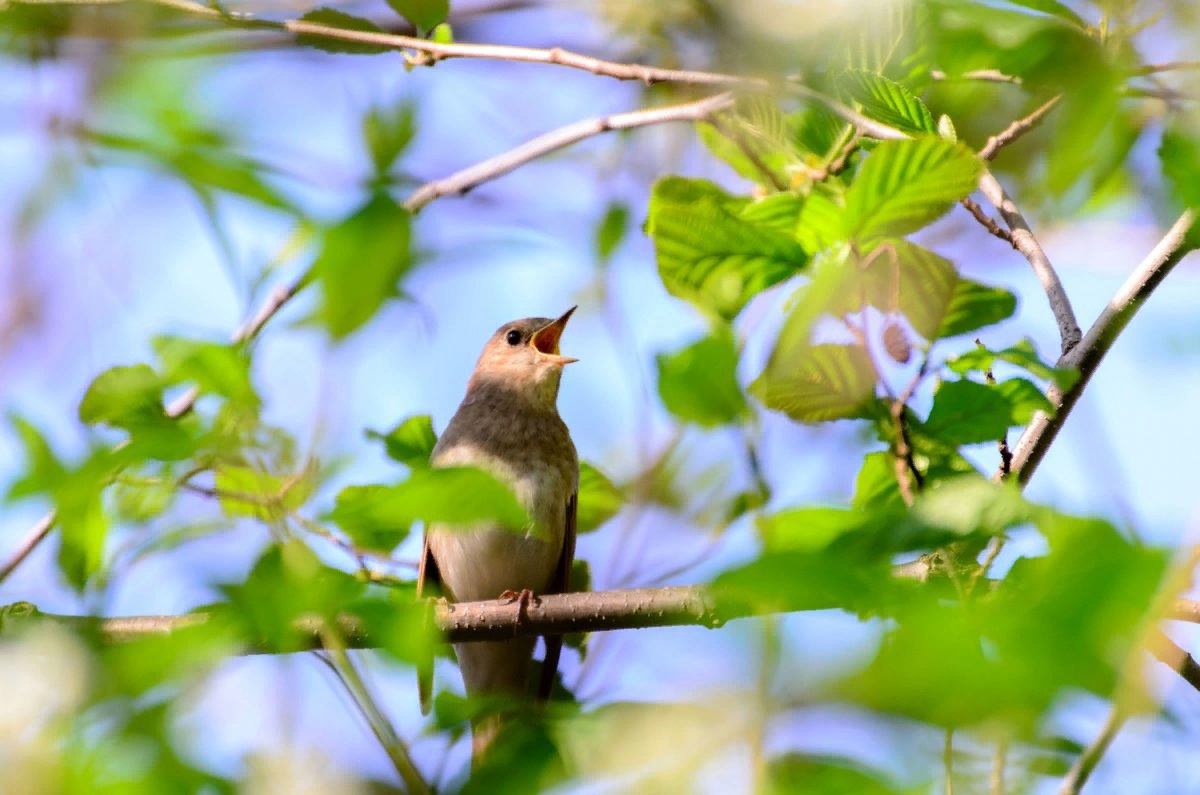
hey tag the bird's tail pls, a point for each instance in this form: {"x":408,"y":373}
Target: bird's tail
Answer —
{"x":494,"y":669}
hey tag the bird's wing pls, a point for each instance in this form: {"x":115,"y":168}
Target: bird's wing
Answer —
{"x":428,"y":578}
{"x":560,"y":584}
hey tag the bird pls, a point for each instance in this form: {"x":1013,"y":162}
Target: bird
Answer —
{"x":507,"y":424}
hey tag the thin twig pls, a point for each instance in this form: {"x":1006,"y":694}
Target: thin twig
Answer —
{"x":463,"y":181}
{"x":395,"y":748}
{"x":948,"y":760}
{"x":1171,"y":66}
{"x":177,"y":408}
{"x":984,"y":75}
{"x":1087,"y":355}
{"x":740,"y":141}
{"x":986,"y":221}
{"x":999,"y":762}
{"x":1018,"y":128}
{"x":1174,"y":657}
{"x":1087,"y":761}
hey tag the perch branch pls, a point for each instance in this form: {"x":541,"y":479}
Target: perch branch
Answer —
{"x":463,"y":181}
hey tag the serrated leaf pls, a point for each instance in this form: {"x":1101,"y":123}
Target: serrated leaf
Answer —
{"x":410,"y":442}
{"x":973,"y":306}
{"x":887,"y":101}
{"x":332,"y":18}
{"x":821,"y":222}
{"x":901,"y":276}
{"x":710,"y":256}
{"x":817,"y":383}
{"x":965,"y":412}
{"x":361,"y":263}
{"x":904,"y":185}
{"x":425,"y":15}
{"x":698,"y":383}
{"x":599,"y":499}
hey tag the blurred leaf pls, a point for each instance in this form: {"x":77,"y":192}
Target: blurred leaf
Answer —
{"x":388,"y":132}
{"x":209,"y":168}
{"x":811,"y":529}
{"x":821,"y":222}
{"x":823,"y":775}
{"x":965,"y":412}
{"x":973,"y":306}
{"x":425,"y":15}
{"x":971,"y":504}
{"x":611,"y":230}
{"x":123,"y":397}
{"x":42,"y":470}
{"x":1054,"y":8}
{"x":361,"y":263}
{"x":801,"y":580}
{"x":816,"y":130}
{"x":889,"y":102}
{"x":138,"y":503}
{"x":1024,"y":399}
{"x":899,"y":276}
{"x":876,"y":486}
{"x":698,"y":383}
{"x":216,"y":369}
{"x":599,"y":499}
{"x":710,"y":256}
{"x":83,"y":524}
{"x":371,"y":517}
{"x":411,"y":442}
{"x":332,"y":18}
{"x":817,"y":383}
{"x":904,"y":185}
{"x":460,"y":497}
{"x":137,"y":666}
{"x":245,"y":491}
{"x":399,"y":624}
{"x":1180,"y":156}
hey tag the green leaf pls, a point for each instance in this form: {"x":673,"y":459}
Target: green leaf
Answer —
{"x":698,"y":383}
{"x":973,"y":306}
{"x":1180,"y":155}
{"x":209,"y":168}
{"x":361,"y":262}
{"x":411,"y":442}
{"x":371,"y":517}
{"x":1053,"y":8}
{"x":821,"y":222}
{"x":425,"y":15}
{"x":899,"y":276}
{"x":332,"y":18}
{"x":965,"y":412}
{"x":887,"y":101}
{"x":611,"y":230}
{"x":42,"y":470}
{"x":876,"y":487}
{"x":1022,"y":354}
{"x":1024,"y":399}
{"x":244,"y":491}
{"x":707,"y":254}
{"x":971,"y":504}
{"x":817,"y":383}
{"x":796,"y":772}
{"x":904,"y":185}
{"x":387,"y":133}
{"x":81,"y":517}
{"x":457,"y":496}
{"x":599,"y":499}
{"x":123,"y":397}
{"x":810,"y":529}
{"x":217,"y":369}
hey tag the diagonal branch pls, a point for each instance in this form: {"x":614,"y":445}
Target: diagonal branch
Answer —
{"x":1087,"y":355}
{"x":177,"y":408}
{"x":463,"y":181}
{"x":1174,"y":657}
{"x":1018,"y":128}
{"x":1087,"y":761}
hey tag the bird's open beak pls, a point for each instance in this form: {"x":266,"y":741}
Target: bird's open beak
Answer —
{"x":546,"y":339}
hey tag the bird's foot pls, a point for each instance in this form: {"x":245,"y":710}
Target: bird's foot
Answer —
{"x":523,"y":599}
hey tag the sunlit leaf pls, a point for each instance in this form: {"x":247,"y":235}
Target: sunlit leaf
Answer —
{"x":973,"y":306}
{"x":1022,"y":354}
{"x":371,"y":517}
{"x":817,"y":383}
{"x":123,"y":397}
{"x":425,"y":15}
{"x":1024,"y":399}
{"x":218,"y":369}
{"x":698,"y":383}
{"x":904,"y":185}
{"x":887,"y":101}
{"x":710,"y":256}
{"x":966,"y":412}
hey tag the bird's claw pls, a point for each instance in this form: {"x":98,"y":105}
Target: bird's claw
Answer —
{"x":523,"y":599}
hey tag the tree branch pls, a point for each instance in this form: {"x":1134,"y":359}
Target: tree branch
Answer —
{"x":1087,"y":355}
{"x":497,"y":619}
{"x":1174,"y":657}
{"x":1015,"y":130}
{"x":177,"y":408}
{"x":463,"y":181}
{"x":1087,"y":761}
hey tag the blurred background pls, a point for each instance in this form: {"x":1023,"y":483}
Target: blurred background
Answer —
{"x":111,"y":234}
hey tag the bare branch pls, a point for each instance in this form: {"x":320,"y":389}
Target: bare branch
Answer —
{"x":986,"y":220}
{"x":1172,"y":66}
{"x":177,"y":408}
{"x":468,"y":178}
{"x":1174,"y":657}
{"x":983,"y":75}
{"x":1087,"y":355}
{"x":1015,"y":130}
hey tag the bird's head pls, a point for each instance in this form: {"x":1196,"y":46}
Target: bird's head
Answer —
{"x":523,"y":356}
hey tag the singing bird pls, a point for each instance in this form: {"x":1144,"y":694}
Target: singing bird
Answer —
{"x":508,"y":424}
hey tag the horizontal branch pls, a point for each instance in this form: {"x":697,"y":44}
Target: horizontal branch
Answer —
{"x":497,"y":619}
{"x":463,"y":181}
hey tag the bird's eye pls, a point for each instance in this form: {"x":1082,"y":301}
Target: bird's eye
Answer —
{"x":513,"y":337}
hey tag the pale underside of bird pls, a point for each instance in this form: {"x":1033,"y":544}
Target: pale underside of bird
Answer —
{"x":508,"y":424}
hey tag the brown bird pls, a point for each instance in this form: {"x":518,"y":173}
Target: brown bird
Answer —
{"x":508,"y":424}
